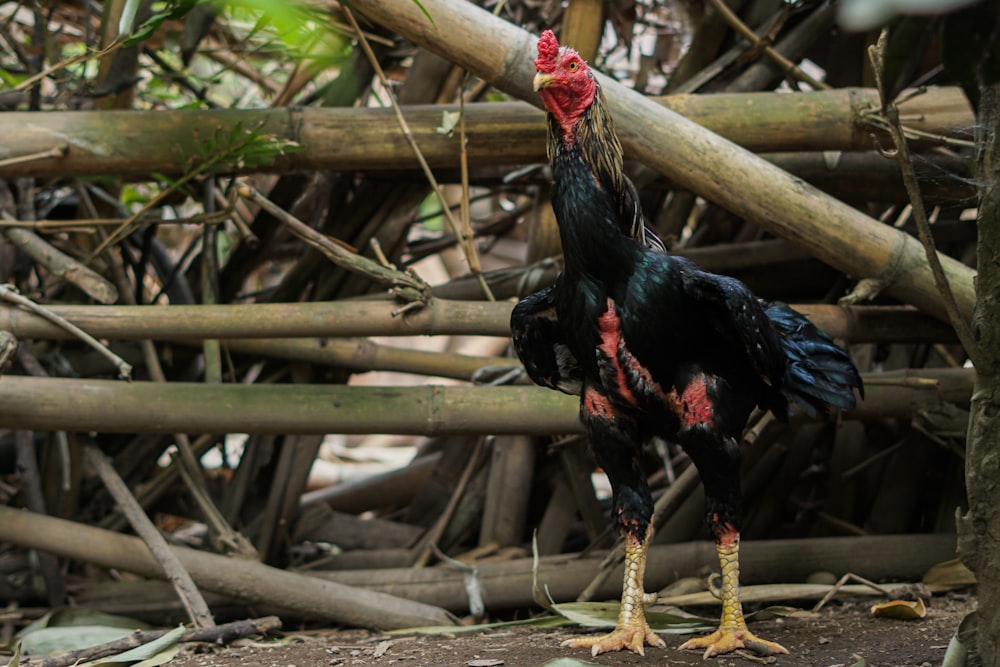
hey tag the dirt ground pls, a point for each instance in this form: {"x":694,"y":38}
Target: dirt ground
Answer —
{"x":842,"y":634}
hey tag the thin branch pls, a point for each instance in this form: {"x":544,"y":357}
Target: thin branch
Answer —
{"x":186,"y":462}
{"x":216,"y":635}
{"x":876,"y":53}
{"x":467,"y":237}
{"x":335,"y":251}
{"x":781,"y":61}
{"x":62,"y":265}
{"x":68,"y":62}
{"x":195,"y":605}
{"x":9,"y":293}
{"x":57,"y":152}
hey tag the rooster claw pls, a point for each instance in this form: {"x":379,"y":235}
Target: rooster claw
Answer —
{"x":633,"y":638}
{"x":725,"y":641}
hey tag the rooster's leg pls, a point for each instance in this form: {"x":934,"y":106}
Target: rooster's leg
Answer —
{"x":732,"y":633}
{"x":631,"y":632}
{"x":617,"y":446}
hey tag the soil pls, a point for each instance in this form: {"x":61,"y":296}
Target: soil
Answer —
{"x":843,"y":634}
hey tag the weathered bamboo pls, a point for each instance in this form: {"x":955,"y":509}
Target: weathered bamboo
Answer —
{"x":361,"y":355}
{"x":691,"y":156}
{"x":62,"y":265}
{"x":244,"y":579}
{"x":146,"y":407}
{"x":135,"y":143}
{"x":315,"y":319}
{"x":507,"y":585}
{"x":395,"y":487}
{"x":375,"y":318}
{"x":869,"y":176}
{"x":46,"y":404}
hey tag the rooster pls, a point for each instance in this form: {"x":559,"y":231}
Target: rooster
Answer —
{"x":655,"y":346}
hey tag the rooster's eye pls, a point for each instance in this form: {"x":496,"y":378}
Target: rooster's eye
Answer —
{"x":572,"y":66}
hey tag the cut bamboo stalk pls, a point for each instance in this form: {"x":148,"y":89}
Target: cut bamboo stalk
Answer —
{"x":244,"y":579}
{"x":511,"y":472}
{"x":396,"y":487}
{"x":691,"y":156}
{"x":138,"y":143}
{"x":507,"y":585}
{"x":375,"y":318}
{"x":869,"y":176}
{"x":45,"y":404}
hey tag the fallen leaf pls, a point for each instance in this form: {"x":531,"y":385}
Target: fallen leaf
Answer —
{"x":486,"y":662}
{"x":901,"y":609}
{"x":947,"y":575}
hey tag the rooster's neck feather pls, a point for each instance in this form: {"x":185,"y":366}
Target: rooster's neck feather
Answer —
{"x":593,"y":136}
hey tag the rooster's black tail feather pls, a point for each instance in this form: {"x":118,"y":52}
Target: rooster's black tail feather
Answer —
{"x":818,"y":374}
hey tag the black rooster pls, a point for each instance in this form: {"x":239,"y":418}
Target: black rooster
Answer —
{"x":656,"y":346}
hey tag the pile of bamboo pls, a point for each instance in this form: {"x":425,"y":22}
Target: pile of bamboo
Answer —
{"x":123,"y":335}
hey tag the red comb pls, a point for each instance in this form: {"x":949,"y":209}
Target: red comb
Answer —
{"x":548,"y":52}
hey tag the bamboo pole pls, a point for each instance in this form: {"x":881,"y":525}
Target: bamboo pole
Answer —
{"x":45,"y":404}
{"x":245,"y":579}
{"x":361,"y":355}
{"x":138,"y":143}
{"x":691,"y":156}
{"x":508,"y":584}
{"x":375,"y":318}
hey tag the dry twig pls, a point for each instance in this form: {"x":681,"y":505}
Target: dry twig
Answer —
{"x":10,"y":294}
{"x":877,"y":53}
{"x":195,"y":605}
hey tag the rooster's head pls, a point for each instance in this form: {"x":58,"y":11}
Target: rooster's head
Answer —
{"x":565,"y":83}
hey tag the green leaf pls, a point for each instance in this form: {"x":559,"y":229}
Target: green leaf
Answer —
{"x":75,"y":616}
{"x":605,"y":615}
{"x":156,"y":652}
{"x":15,"y":660}
{"x":424,"y":10}
{"x":49,"y":641}
{"x":175,"y":9}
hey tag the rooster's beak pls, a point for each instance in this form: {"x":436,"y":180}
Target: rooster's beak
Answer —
{"x":541,"y":80}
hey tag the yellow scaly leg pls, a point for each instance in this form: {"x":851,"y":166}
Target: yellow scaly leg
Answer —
{"x":732,"y":633}
{"x":632,"y":632}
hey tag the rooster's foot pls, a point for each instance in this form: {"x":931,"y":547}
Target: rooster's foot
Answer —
{"x":633,"y":637}
{"x":725,"y":641}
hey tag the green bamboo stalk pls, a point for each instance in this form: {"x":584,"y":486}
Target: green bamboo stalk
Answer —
{"x":375,"y":318}
{"x":49,"y":404}
{"x":137,"y":143}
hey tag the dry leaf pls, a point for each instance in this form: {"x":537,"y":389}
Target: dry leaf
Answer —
{"x":901,"y":609}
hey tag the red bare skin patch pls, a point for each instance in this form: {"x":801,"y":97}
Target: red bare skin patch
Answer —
{"x":610,"y":327}
{"x":694,"y":406}
{"x":596,"y":404}
{"x":726,"y":535}
{"x":567,"y":88}
{"x":627,"y":377}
